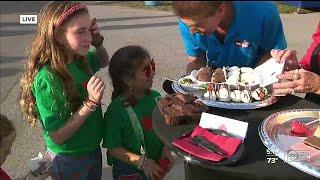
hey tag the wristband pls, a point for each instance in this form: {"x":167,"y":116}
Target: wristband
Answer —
{"x":92,"y":102}
{"x":90,"y":107}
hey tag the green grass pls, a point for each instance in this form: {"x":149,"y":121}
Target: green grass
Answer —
{"x":166,"y":6}
{"x":286,"y":9}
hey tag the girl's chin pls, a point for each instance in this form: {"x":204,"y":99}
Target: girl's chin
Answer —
{"x":83,"y":53}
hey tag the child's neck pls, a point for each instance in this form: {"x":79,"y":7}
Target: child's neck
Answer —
{"x":137,"y":93}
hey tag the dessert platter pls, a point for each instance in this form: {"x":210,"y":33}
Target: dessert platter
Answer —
{"x":228,"y":87}
{"x":290,"y":135}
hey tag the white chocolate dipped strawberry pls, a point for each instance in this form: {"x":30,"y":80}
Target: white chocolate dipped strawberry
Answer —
{"x":210,"y":94}
{"x":236,"y":96}
{"x":259,"y":94}
{"x":223,"y":94}
{"x":245,"y":96}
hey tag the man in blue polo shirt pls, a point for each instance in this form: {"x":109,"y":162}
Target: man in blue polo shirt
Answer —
{"x":229,"y":33}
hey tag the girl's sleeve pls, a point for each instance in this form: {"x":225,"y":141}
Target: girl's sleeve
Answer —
{"x":50,"y":100}
{"x":113,"y":128}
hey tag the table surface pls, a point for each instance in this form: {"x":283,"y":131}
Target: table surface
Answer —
{"x":255,"y":161}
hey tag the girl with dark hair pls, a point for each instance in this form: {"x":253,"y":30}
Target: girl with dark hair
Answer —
{"x":134,"y":150}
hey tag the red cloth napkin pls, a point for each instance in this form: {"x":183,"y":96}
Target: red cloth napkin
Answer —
{"x":229,"y":144}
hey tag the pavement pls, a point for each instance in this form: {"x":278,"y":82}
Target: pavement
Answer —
{"x":155,"y":30}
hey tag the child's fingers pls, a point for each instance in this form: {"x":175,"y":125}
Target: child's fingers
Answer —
{"x":96,"y":82}
{"x":156,"y":175}
{"x":96,"y":31}
{"x":94,"y":28}
{"x":94,"y":20}
{"x":91,"y":81}
{"x":171,"y":162}
{"x":101,"y":90}
{"x":99,"y":86}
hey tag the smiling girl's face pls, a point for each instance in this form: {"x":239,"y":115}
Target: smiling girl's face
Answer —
{"x":77,"y":36}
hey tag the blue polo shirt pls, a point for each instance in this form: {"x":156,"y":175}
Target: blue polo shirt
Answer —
{"x":258,"y":23}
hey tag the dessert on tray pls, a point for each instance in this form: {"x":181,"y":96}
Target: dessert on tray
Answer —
{"x":179,"y":108}
{"x":232,"y":75}
{"x":227,"y":84}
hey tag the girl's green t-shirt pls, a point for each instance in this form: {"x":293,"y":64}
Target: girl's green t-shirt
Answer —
{"x":120,"y":133}
{"x":54,"y":111}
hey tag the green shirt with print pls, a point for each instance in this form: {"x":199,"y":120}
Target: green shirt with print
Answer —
{"x":54,"y":110}
{"x":120,"y":133}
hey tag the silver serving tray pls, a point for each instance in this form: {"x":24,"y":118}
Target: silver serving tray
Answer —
{"x":228,"y":105}
{"x":275,"y":134}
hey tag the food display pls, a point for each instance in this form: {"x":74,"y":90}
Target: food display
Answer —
{"x":231,"y":84}
{"x":227,"y":93}
{"x":179,"y":108}
{"x":232,"y":75}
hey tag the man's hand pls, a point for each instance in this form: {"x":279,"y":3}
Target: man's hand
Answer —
{"x":195,"y":63}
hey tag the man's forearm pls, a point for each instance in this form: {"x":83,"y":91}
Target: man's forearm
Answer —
{"x":102,"y":56}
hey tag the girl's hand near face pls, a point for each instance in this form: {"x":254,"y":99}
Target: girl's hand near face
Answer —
{"x":95,"y":89}
{"x":97,"y":38}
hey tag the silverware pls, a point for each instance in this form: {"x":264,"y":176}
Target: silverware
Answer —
{"x":209,"y":146}
{"x":222,"y":133}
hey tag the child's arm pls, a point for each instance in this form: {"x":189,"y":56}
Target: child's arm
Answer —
{"x":125,"y":155}
{"x":102,"y":56}
{"x":97,"y":42}
{"x":149,"y":167}
{"x":73,"y":124}
{"x":95,"y":88}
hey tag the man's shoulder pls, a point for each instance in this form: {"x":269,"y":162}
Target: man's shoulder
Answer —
{"x":255,"y":7}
